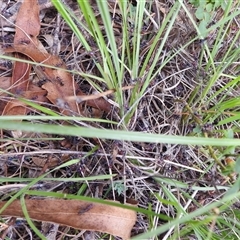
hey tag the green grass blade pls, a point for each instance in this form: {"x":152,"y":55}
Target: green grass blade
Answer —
{"x":28,"y":219}
{"x":65,"y":14}
{"x":116,"y":135}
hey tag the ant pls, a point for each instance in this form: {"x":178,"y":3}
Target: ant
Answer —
{"x":85,"y":209}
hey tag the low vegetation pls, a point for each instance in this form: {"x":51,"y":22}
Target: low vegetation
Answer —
{"x":122,"y":112}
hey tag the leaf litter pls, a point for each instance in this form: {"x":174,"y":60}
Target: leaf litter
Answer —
{"x":58,"y":85}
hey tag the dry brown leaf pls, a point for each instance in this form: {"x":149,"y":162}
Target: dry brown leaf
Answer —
{"x":49,"y":162}
{"x":28,"y":27}
{"x":100,"y":104}
{"x":20,"y":76}
{"x":19,"y":84}
{"x":59,"y":83}
{"x":14,"y":107}
{"x":27,"y":23}
{"x":34,"y":93}
{"x":38,"y":95}
{"x":77,"y":214}
{"x":5,"y":83}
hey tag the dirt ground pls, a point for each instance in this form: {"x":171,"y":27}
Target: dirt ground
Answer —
{"x":162,"y":109}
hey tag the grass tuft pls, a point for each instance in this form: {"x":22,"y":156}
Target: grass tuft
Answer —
{"x":171,"y":138}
